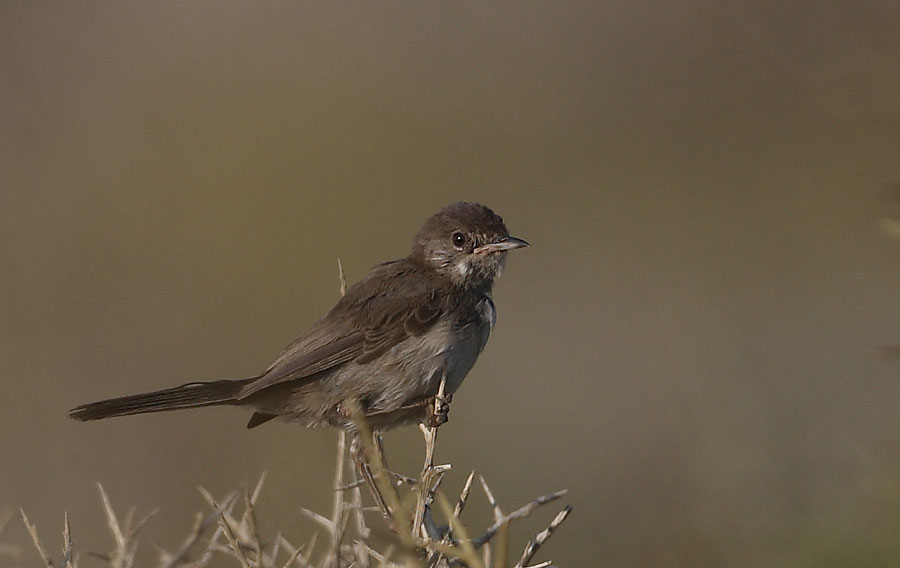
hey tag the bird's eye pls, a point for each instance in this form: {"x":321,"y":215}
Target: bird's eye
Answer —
{"x":459,"y":239}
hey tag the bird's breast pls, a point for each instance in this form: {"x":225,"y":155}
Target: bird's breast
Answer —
{"x":449,"y":348}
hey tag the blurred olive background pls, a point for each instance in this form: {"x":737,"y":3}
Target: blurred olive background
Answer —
{"x":697,"y":344}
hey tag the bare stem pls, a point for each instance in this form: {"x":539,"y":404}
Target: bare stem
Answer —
{"x":430,"y":476}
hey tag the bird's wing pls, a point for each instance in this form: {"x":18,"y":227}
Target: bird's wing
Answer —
{"x":296,"y":362}
{"x":375,"y":315}
{"x":396,"y":321}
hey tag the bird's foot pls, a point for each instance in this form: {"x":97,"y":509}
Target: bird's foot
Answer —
{"x":438,"y":411}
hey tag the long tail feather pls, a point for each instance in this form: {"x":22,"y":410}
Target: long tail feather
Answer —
{"x":190,"y":395}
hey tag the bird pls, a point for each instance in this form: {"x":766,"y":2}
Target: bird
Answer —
{"x":408,"y":332}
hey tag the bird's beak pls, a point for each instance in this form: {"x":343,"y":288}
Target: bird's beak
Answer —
{"x":507,"y":243}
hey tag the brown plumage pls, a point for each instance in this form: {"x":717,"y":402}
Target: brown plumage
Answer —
{"x":385,"y":345}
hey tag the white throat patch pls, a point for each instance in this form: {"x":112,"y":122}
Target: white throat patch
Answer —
{"x":462,"y":268}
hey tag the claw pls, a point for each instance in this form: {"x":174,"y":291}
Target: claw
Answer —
{"x":439,"y":411}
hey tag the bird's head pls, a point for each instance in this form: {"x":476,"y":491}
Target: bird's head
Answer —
{"x":466,"y":243}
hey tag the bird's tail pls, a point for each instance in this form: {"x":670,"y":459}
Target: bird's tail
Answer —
{"x":190,"y":395}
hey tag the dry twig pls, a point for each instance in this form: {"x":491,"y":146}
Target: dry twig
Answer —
{"x":32,"y":530}
{"x":201,"y":525}
{"x":541,"y":537}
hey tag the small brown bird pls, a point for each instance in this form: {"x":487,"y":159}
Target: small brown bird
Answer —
{"x":383,"y":348}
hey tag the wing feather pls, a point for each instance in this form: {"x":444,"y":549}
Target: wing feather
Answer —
{"x":307,"y":363}
{"x":375,"y":315}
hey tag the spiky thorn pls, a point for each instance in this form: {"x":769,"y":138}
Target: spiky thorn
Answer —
{"x":244,"y":531}
{"x":68,"y":552}
{"x":237,"y":533}
{"x":32,"y":530}
{"x":464,"y":552}
{"x":201,"y":525}
{"x":519,"y":513}
{"x":540,"y":538}
{"x":122,"y":556}
{"x":463,"y":495}
{"x":342,"y":277}
{"x":436,"y":556}
{"x":295,"y":553}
